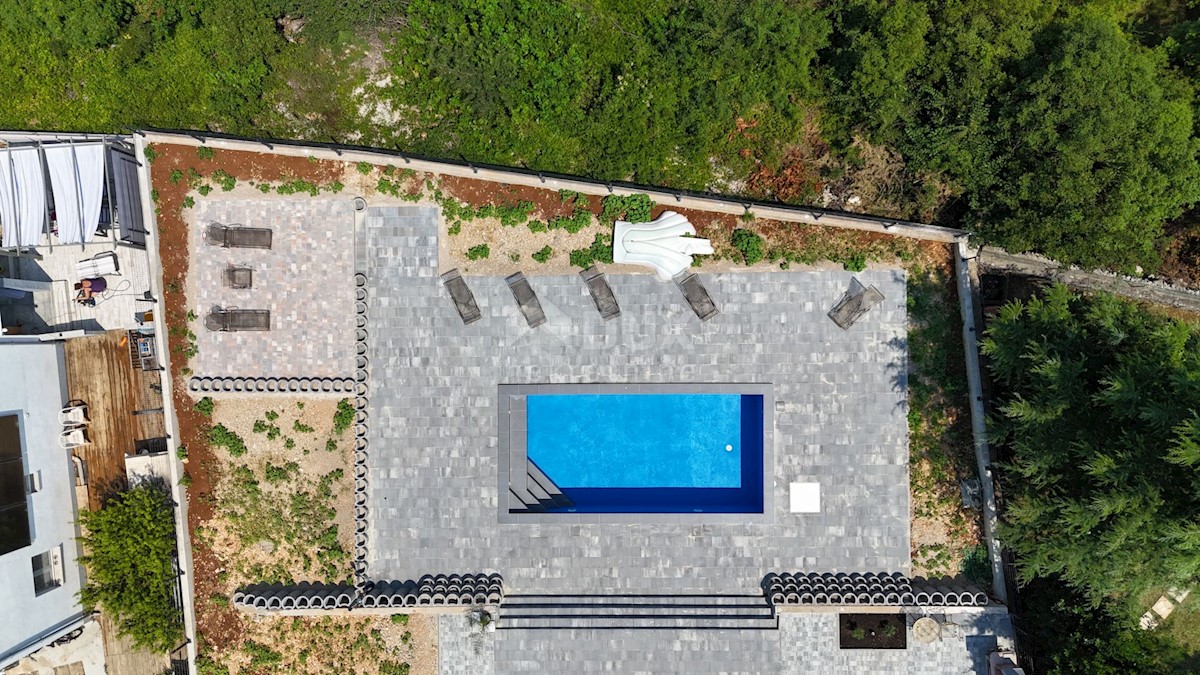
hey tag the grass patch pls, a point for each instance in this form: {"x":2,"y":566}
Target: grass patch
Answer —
{"x":297,"y":520}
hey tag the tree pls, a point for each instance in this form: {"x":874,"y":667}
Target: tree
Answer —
{"x":130,"y":555}
{"x":1098,"y":407}
{"x":1097,"y":150}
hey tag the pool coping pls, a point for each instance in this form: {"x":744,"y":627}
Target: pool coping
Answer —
{"x":511,"y":446}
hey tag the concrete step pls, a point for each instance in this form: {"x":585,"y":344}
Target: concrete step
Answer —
{"x":640,"y":623}
{"x":653,"y":612}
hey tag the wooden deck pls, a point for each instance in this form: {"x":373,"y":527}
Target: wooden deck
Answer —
{"x":101,"y":374}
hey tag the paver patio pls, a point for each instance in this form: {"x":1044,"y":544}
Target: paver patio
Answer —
{"x":306,"y":280}
{"x":840,"y":420}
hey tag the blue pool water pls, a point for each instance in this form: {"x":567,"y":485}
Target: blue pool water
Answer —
{"x":650,"y":453}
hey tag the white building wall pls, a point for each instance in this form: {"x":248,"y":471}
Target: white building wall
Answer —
{"x":33,"y":384}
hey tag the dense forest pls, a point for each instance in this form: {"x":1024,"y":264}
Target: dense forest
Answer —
{"x":1097,"y":409}
{"x":1061,"y":126}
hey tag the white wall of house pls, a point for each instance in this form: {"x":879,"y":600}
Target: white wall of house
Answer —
{"x":33,"y":385}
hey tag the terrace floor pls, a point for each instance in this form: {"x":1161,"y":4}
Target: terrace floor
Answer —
{"x":53,"y":307}
{"x":840,"y":420}
{"x":306,"y":280}
{"x":100,"y":373}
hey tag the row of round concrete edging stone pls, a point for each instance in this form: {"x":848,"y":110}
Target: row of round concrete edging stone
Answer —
{"x":361,"y":377}
{"x":812,"y":588}
{"x":428,"y":591}
{"x":340,"y":386}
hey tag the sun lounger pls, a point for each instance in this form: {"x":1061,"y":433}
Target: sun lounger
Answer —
{"x":854,"y":303}
{"x":236,"y":236}
{"x":99,"y":265}
{"x":526,"y":299}
{"x":602,"y":295}
{"x":696,"y":295}
{"x":464,"y":299}
{"x":234,"y":320}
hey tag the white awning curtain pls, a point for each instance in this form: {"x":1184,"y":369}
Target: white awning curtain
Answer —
{"x":77,"y":177}
{"x":22,"y":198}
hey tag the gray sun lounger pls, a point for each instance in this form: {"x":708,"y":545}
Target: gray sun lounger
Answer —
{"x":854,"y":303}
{"x":696,"y":295}
{"x":233,"y":320}
{"x":526,"y":299}
{"x":236,"y":236}
{"x":464,"y":299}
{"x":602,"y":295}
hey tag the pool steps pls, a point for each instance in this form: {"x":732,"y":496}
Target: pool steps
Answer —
{"x":534,"y":492}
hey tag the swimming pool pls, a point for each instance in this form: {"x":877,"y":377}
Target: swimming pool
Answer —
{"x":645,"y":449}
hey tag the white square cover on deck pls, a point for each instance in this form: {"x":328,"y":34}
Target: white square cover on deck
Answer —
{"x":806,"y":497}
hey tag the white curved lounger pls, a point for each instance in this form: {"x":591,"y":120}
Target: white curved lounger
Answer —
{"x":660,"y":244}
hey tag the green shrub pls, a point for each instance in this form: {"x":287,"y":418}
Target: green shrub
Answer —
{"x":537,"y":226}
{"x":751,"y":246}
{"x":577,"y":221}
{"x":400,"y":619}
{"x":478,"y":252}
{"x":185,"y":480}
{"x":343,"y":417}
{"x":220,"y":436}
{"x":204,"y":406}
{"x":261,"y":655}
{"x":331,"y":445}
{"x":271,"y":415}
{"x":204,"y":190}
{"x":599,"y":251}
{"x":130,"y":544}
{"x":300,"y":428}
{"x":543,"y":255}
{"x":226,"y":181}
{"x":188,"y":202}
{"x":206,"y":666}
{"x":393,"y":668}
{"x":176,"y":176}
{"x":279,"y":474}
{"x":364,"y":167}
{"x":150,"y":153}
{"x":204,"y":152}
{"x":633,"y":208}
{"x":857,"y":262}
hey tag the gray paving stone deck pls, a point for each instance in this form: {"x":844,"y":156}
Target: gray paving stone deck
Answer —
{"x":306,"y":280}
{"x":803,"y":645}
{"x":839,"y":420}
{"x":809,"y":644}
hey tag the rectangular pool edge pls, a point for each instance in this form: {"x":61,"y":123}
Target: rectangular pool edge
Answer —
{"x":507,"y":442}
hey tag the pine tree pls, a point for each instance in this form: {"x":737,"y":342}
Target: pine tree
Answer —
{"x":1098,"y":405}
